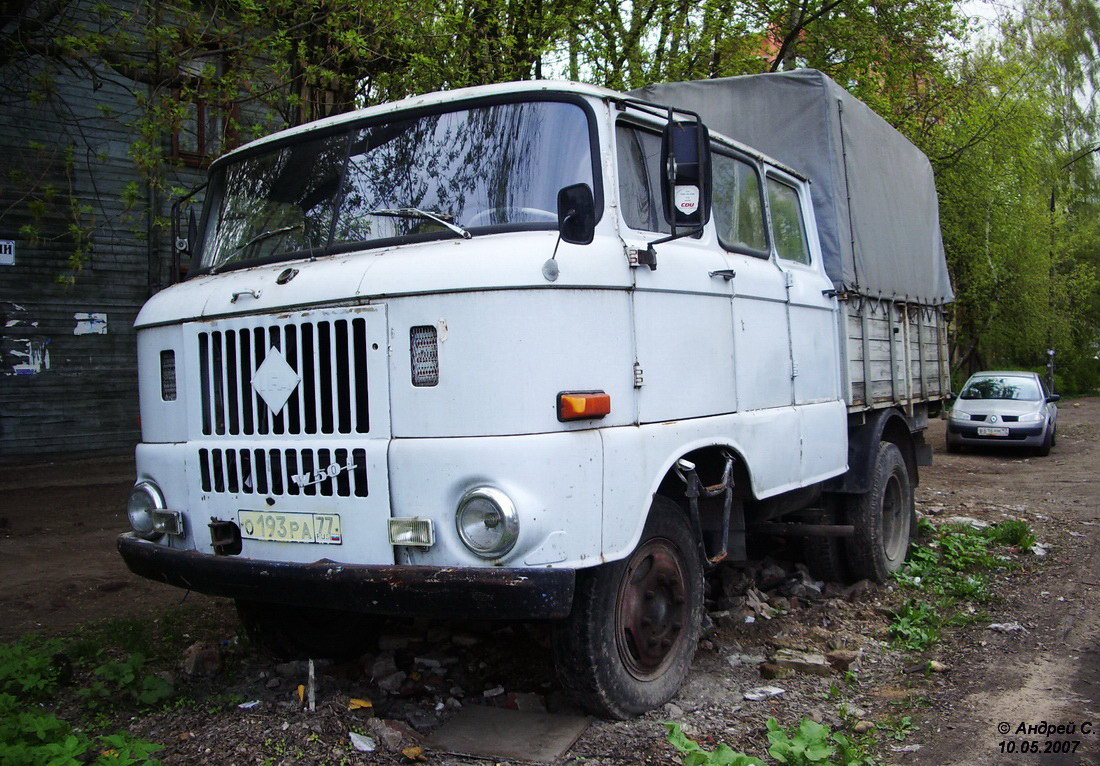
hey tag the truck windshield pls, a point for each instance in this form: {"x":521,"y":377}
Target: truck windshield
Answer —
{"x":476,"y":169}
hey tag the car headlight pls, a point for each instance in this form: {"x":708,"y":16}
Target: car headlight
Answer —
{"x":145,"y":498}
{"x":1032,"y":417}
{"x":956,"y":415}
{"x":487,"y":522}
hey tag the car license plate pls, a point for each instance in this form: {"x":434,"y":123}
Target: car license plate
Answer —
{"x":291,"y":527}
{"x":990,"y":431}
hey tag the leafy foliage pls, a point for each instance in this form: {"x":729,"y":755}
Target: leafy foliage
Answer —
{"x":808,"y":744}
{"x":953,"y":567}
{"x":29,"y":668}
{"x":29,"y":737}
{"x":126,"y":676}
{"x":32,"y":672}
{"x":694,"y":755}
{"x":813,"y":743}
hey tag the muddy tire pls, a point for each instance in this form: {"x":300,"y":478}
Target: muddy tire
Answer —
{"x":825,"y":557}
{"x":885,"y":519}
{"x":953,"y":446}
{"x":627,"y":647}
{"x":296,"y":633}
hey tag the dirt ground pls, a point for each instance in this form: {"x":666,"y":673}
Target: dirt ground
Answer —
{"x":61,"y":572}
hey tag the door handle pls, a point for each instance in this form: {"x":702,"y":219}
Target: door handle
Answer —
{"x":726,"y":274}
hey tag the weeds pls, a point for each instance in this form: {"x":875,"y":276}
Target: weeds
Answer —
{"x":899,"y":728}
{"x":954,"y":567}
{"x":32,"y":672}
{"x":125,"y":677}
{"x":1015,"y":533}
{"x":808,"y":744}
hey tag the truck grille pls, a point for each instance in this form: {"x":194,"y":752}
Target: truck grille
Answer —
{"x":329,"y":358}
{"x":271,"y":472}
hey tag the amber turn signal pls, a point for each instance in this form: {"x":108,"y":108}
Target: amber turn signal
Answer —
{"x":582,"y":405}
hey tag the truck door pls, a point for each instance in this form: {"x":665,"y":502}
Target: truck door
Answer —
{"x":760,"y":324}
{"x":811,"y":309}
{"x":684,"y":353}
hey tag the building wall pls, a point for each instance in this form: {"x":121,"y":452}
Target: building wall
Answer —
{"x":68,"y":378}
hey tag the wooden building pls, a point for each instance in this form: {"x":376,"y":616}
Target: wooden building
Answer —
{"x":83,"y":244}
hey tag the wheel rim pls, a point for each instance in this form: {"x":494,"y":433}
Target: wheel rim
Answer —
{"x":894,"y":519}
{"x":652,"y":609}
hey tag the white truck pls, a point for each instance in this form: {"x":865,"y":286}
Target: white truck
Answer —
{"x":542,"y":350}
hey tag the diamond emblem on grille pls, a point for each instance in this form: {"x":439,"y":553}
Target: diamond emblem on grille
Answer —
{"x":275,"y":380}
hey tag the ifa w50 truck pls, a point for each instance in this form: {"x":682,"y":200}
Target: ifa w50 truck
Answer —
{"x":544,"y":351}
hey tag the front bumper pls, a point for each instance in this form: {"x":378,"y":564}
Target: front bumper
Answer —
{"x":444,"y":592}
{"x":1018,"y":436}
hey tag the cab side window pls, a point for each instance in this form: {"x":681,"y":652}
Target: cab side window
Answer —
{"x":639,"y":157}
{"x":788,"y":229}
{"x":738,"y":206}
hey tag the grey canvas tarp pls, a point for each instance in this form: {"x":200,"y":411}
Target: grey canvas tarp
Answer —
{"x":873,"y":191}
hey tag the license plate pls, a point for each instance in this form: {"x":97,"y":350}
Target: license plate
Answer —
{"x":290,"y":527}
{"x":990,"y":431}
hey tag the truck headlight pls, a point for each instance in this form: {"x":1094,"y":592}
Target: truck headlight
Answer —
{"x":487,"y":522}
{"x":145,"y":498}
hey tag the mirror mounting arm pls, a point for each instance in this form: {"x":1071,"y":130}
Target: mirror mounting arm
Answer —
{"x":648,"y":257}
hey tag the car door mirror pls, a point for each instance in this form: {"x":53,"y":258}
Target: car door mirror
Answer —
{"x":685,"y":185}
{"x":1054,"y":398}
{"x":576,"y":214}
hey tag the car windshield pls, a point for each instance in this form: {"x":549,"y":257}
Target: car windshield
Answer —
{"x":1002,"y":387}
{"x":429,"y":176}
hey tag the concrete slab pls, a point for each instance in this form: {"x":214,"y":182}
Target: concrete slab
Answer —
{"x":490,"y":732}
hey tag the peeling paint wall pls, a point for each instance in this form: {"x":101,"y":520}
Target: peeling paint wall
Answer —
{"x":88,"y":323}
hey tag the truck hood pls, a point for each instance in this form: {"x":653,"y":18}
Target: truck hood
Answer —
{"x":494,"y":261}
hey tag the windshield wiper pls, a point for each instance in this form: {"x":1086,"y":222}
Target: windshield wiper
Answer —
{"x":266,"y":235}
{"x":431,"y":215}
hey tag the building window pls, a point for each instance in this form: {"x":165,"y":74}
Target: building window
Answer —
{"x":205,"y":130}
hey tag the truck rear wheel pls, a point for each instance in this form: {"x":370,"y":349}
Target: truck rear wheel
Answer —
{"x":294,"y":632}
{"x":627,"y":647}
{"x":884,"y":518}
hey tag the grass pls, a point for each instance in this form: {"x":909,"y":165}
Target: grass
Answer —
{"x":948,"y":576}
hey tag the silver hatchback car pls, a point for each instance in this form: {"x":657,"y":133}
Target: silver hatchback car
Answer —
{"x":1011,"y":409}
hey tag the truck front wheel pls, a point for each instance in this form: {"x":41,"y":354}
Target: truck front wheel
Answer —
{"x":884,"y":518}
{"x":627,"y":647}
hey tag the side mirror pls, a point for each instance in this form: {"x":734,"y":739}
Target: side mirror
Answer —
{"x":685,"y":186}
{"x":1054,"y":398}
{"x":183,"y":244}
{"x":576,"y":214}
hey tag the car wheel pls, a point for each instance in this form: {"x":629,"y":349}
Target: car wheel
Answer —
{"x":953,"y":446}
{"x":1048,"y":441}
{"x":294,"y":633}
{"x":628,"y":644}
{"x":885,"y":518}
